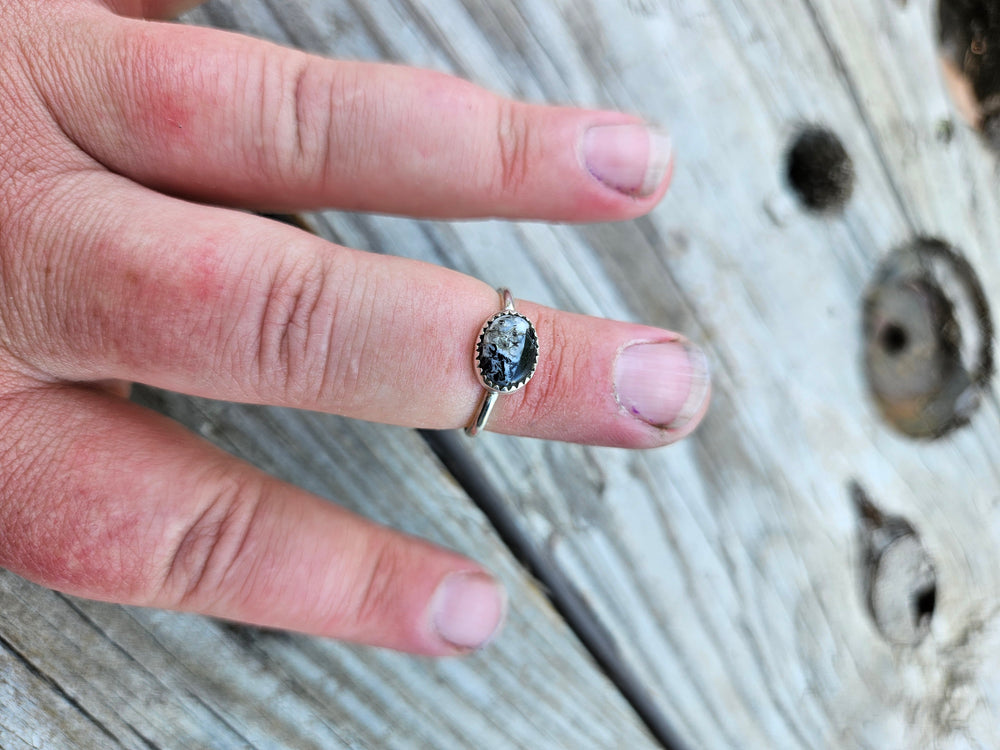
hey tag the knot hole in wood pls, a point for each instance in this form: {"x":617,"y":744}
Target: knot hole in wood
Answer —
{"x":928,"y":335}
{"x":969,"y":50}
{"x":819,"y":169}
{"x":897,"y":573}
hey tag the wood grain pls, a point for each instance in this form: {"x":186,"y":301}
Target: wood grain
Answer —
{"x":727,"y":569}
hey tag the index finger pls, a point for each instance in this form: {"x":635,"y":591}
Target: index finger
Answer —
{"x":222,"y":117}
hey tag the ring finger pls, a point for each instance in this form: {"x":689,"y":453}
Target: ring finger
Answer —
{"x":224,"y":304}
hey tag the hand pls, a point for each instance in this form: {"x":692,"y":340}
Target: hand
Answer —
{"x":115,"y":134}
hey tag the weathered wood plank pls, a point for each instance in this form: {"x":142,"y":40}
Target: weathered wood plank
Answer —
{"x":89,"y":675}
{"x":727,"y":569}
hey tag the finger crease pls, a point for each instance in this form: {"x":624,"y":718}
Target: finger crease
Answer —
{"x":298,"y":99}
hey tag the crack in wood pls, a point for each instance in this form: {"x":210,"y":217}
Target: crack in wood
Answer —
{"x":563,"y":595}
{"x":49,"y":681}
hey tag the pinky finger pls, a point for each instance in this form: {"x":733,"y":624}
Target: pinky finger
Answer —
{"x":116,"y":503}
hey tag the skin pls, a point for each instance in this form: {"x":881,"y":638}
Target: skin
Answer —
{"x":112,"y":270}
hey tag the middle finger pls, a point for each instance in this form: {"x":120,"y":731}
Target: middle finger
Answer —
{"x":228,"y":119}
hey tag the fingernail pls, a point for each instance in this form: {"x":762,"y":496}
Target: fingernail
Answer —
{"x":664,"y":384}
{"x":632,"y":159}
{"x":468,"y":609}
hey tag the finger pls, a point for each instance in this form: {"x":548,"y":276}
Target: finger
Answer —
{"x":227,"y":119}
{"x":105,"y":500}
{"x":227,"y":305}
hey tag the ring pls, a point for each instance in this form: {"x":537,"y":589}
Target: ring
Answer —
{"x":505,"y":357}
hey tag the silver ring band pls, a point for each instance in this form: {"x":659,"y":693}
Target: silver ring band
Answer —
{"x":505,"y":357}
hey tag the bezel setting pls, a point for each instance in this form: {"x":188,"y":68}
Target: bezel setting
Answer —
{"x":479,"y":354}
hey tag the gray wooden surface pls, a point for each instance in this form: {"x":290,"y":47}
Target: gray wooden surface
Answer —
{"x":709,"y":595}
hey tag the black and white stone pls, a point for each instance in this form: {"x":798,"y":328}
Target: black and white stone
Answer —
{"x":507,"y":353}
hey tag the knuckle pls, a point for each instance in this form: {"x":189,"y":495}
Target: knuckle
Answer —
{"x":515,"y":144}
{"x":203,"y":558}
{"x":295,"y":327}
{"x":308,"y":124}
{"x":326,"y":115}
{"x":317,"y":334}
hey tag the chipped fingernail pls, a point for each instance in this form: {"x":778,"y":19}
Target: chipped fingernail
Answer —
{"x":468,"y":609}
{"x":632,"y":159}
{"x":664,"y":384}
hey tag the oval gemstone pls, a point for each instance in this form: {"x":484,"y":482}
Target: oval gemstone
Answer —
{"x":507,"y":351}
